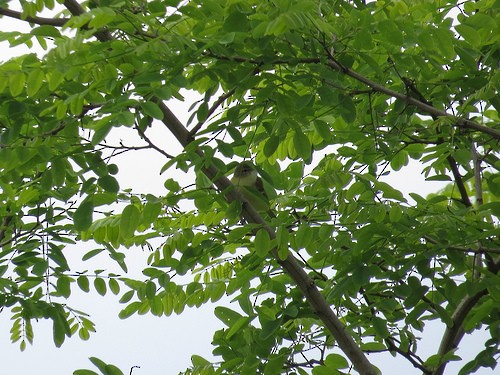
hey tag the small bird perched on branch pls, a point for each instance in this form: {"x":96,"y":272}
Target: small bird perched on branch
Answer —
{"x":249,"y":184}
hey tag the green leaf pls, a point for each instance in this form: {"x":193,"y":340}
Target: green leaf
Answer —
{"x":100,"y":286}
{"x":172,"y":185}
{"x":199,"y":361}
{"x":63,"y":286}
{"x":236,"y":21}
{"x":127,"y":296}
{"x":380,"y":326}
{"x":151,"y":212}
{"x":238,"y":233}
{"x":391,"y":32}
{"x":335,"y":361}
{"x":82,"y":218}
{"x":152,"y":109}
{"x":46,"y":30}
{"x":469,"y":34}
{"x":129,"y":310}
{"x":303,"y":236}
{"x":274,"y":364}
{"x":323,"y":129}
{"x":399,"y":160}
{"x":101,"y":365}
{"x":226,"y":315}
{"x":269,"y":328}
{"x":262,"y":243}
{"x":347,"y":109}
{"x":439,"y":177}
{"x":34,"y":81}
{"x":16,"y":83}
{"x":92,"y":253}
{"x":60,"y":328}
{"x":478,"y":314}
{"x":112,"y":370}
{"x":322,"y":370}
{"x":114,"y":286}
{"x":108,"y":183}
{"x":102,"y":17}
{"x":83,"y":334}
{"x":83,"y":283}
{"x":302,"y":145}
{"x":202,"y":112}
{"x":129,"y":220}
{"x":395,"y":214}
{"x":84,"y":372}
{"x":271,"y":145}
{"x":445,"y":42}
{"x":373,"y":346}
{"x":238,"y":326}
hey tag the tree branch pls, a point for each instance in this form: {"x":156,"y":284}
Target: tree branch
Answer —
{"x":212,"y":109}
{"x":478,"y":185}
{"x":454,"y":333}
{"x":459,"y":122}
{"x":76,"y":9}
{"x":151,"y":144}
{"x":459,"y":182}
{"x":424,"y":107}
{"x":36,"y":20}
{"x":290,"y":265}
{"x":414,"y":359}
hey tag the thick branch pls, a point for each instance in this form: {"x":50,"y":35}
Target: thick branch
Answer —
{"x":459,"y":182}
{"x":76,"y":9}
{"x":454,"y":333}
{"x":36,"y":20}
{"x":290,"y":264}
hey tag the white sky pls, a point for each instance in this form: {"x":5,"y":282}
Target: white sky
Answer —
{"x":158,"y":345}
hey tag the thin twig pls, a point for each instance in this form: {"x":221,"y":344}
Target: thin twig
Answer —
{"x":478,"y":187}
{"x":151,"y":144}
{"x":212,"y":109}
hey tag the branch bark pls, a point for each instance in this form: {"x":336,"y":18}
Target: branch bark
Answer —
{"x":290,"y":265}
{"x":36,"y":20}
{"x":458,"y":181}
{"x":454,"y":333}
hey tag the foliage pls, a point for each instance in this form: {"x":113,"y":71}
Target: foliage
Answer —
{"x":328,"y":98}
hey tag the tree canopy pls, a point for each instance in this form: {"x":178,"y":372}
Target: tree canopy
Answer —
{"x":327,"y":98}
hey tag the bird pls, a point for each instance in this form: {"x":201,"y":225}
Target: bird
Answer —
{"x":249,"y":184}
